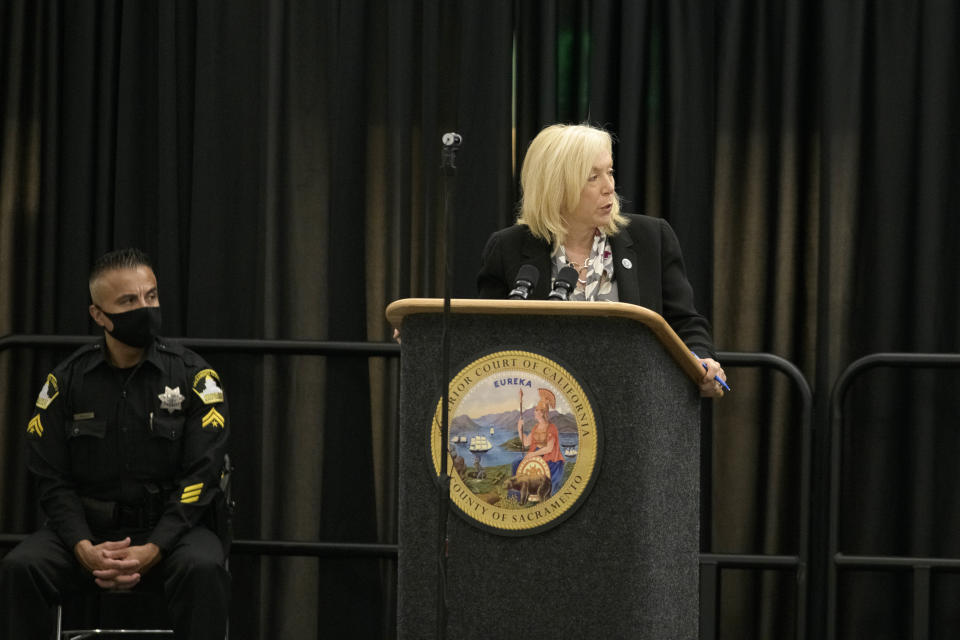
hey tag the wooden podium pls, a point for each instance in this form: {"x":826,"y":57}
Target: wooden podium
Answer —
{"x":624,"y":562}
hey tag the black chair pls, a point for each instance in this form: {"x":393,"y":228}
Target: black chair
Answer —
{"x":109,"y":614}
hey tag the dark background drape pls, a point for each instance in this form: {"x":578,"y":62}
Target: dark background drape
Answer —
{"x":279,"y":160}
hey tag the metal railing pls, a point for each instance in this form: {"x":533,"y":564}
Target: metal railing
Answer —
{"x":922,"y":568}
{"x":711,"y":564}
{"x":227,"y":345}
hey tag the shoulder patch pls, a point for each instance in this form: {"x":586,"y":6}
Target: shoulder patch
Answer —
{"x":50,"y":390}
{"x":35,"y":427}
{"x":206,"y":384}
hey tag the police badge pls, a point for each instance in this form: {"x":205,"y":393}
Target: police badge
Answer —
{"x":171,"y":399}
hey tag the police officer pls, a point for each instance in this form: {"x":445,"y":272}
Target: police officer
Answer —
{"x":127,"y":442}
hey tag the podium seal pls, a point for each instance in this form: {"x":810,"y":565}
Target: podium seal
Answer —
{"x":524,"y":443}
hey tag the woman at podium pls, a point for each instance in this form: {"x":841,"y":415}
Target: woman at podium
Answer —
{"x":570,"y":217}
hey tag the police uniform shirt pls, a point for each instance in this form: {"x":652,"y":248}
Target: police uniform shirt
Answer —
{"x":119,"y":434}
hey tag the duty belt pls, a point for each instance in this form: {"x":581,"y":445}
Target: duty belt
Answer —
{"x":108,"y":514}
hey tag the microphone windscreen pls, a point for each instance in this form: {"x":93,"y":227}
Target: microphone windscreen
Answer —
{"x":567,"y":275}
{"x":528,"y":273}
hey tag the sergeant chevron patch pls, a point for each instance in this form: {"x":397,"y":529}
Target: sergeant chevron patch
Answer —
{"x":191,"y":493}
{"x":35,"y":427}
{"x":213,"y":420}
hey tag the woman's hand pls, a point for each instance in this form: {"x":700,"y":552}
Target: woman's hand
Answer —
{"x":710,"y":388}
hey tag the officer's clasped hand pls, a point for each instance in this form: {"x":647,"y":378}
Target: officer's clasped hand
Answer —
{"x":115,"y":564}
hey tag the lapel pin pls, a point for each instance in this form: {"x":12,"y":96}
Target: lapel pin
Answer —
{"x":626,"y":263}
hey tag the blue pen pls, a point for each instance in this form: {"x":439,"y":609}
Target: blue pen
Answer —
{"x":717,"y":378}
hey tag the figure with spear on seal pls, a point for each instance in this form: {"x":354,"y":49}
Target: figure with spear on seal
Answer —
{"x":541,"y":467}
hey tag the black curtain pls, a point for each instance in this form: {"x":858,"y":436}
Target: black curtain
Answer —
{"x":280,"y":162}
{"x":894,"y":188}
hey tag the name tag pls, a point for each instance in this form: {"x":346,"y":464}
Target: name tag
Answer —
{"x":83,"y":416}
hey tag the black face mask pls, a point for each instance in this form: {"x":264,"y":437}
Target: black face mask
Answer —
{"x":136,"y":328}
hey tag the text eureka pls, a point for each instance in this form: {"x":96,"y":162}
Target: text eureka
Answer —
{"x":470,"y":504}
{"x":493,"y":367}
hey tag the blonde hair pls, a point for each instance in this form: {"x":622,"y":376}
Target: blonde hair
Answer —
{"x":557,"y":166}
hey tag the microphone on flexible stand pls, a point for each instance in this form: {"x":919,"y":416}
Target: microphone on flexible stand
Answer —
{"x":527,"y":278}
{"x":564,"y":284}
{"x":448,"y":168}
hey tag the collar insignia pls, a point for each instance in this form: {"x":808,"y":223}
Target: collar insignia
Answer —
{"x":49,"y":391}
{"x":171,"y":399}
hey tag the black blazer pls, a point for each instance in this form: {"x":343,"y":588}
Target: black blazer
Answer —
{"x":648,"y":269}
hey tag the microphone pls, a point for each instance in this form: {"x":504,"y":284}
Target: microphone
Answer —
{"x":448,"y":153}
{"x":527,"y":278}
{"x":564,"y":284}
{"x":451,"y":139}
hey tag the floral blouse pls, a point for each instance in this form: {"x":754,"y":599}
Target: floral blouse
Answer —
{"x":599,"y":285}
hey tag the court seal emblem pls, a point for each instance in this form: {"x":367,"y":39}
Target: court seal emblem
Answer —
{"x":524,"y":446}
